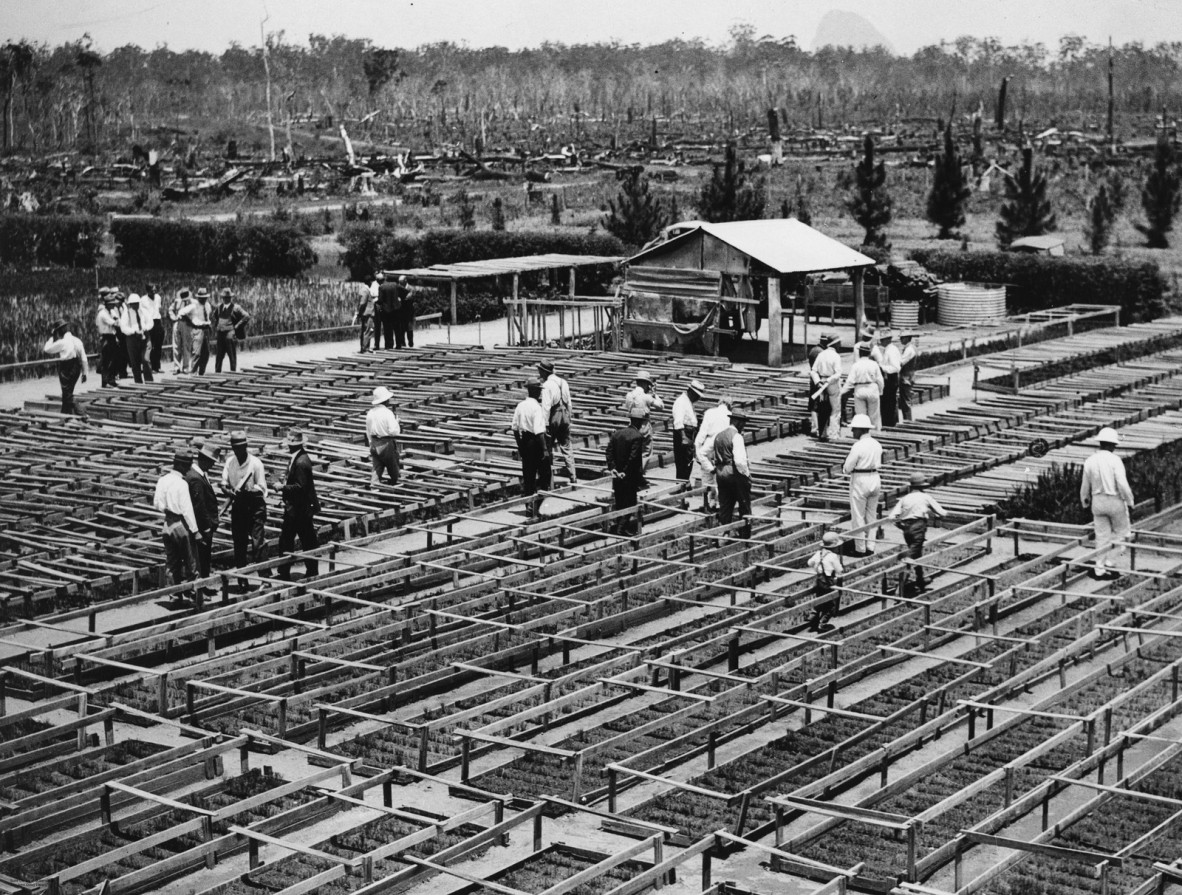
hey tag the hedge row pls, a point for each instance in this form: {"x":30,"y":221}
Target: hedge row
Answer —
{"x":253,"y":248}
{"x":1037,"y":282}
{"x":34,"y":240}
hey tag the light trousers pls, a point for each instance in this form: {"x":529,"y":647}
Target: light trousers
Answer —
{"x":865,"y":490}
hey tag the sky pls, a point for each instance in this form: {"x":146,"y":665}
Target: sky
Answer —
{"x":908,"y":24}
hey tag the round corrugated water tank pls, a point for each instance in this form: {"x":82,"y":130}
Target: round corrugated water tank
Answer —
{"x":962,"y":304}
{"x":904,"y":314}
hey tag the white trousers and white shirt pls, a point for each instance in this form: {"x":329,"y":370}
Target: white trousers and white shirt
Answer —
{"x":865,"y":378}
{"x":1105,"y":489}
{"x":862,"y":465}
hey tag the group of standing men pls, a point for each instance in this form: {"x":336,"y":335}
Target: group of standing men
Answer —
{"x":386,"y":312}
{"x":881,"y":381}
{"x":542,"y":429}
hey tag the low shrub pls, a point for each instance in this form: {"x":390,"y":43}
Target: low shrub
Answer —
{"x":36,"y":240}
{"x":225,"y":248}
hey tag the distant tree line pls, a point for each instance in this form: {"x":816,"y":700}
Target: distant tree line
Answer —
{"x":75,"y":96}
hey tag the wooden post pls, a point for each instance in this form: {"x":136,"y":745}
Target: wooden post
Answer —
{"x":859,"y":300}
{"x":775,"y":324}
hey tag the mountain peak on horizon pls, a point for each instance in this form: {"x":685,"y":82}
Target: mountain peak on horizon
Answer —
{"x":842,"y":28}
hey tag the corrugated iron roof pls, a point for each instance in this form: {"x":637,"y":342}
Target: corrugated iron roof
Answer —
{"x":500,"y":266}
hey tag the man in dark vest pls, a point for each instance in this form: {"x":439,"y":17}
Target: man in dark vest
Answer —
{"x":625,"y":461}
{"x":730,"y":465}
{"x":205,"y":506}
{"x":300,"y":506}
{"x":404,"y":317}
{"x":388,"y":307}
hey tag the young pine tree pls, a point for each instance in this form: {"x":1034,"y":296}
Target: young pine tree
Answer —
{"x":636,"y":216}
{"x":1161,"y":196}
{"x":730,"y":195}
{"x":466,"y":210}
{"x":950,"y":193}
{"x":497,"y":214}
{"x":1101,"y":217}
{"x":1026,"y":210}
{"x":870,"y":203}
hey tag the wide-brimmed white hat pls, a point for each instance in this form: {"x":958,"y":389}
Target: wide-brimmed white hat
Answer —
{"x":1108,"y":435}
{"x":381,"y":395}
{"x":861,"y":421}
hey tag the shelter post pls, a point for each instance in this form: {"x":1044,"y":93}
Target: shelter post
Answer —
{"x":859,"y":301}
{"x":775,"y":323}
{"x":453,"y":309}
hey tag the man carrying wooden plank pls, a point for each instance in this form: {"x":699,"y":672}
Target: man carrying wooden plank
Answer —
{"x":382,"y":429}
{"x":557,"y":408}
{"x":908,"y":356}
{"x":245,"y":481}
{"x":1105,"y":490}
{"x":173,"y":500}
{"x":71,"y":362}
{"x":911,"y":514}
{"x":826,"y":379}
{"x":529,"y":431}
{"x":685,"y":429}
{"x":862,"y":465}
{"x":734,"y":474}
{"x":625,"y":462}
{"x":865,"y":381}
{"x":300,"y":506}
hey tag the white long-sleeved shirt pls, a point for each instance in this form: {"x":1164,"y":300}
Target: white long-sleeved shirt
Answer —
{"x":555,"y":390}
{"x":827,"y":364}
{"x":1104,"y":473}
{"x":198,"y":313}
{"x":714,"y":421}
{"x":864,"y":372}
{"x":131,"y":321}
{"x":684,"y":415}
{"x":106,"y":322}
{"x":528,"y":417}
{"x":892,"y":359}
{"x":172,"y":494}
{"x":67,"y":347}
{"x":864,"y":456}
{"x":382,"y":422}
{"x":373,"y":289}
{"x":246,"y":476}
{"x":916,"y":505}
{"x":740,"y":451}
{"x":908,"y":355}
{"x":638,"y":397}
{"x":149,"y":310}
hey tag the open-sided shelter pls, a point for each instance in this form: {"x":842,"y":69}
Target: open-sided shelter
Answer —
{"x":675,"y":290}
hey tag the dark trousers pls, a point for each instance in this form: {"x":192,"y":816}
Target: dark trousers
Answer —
{"x":915,"y":532}
{"x":626,"y":492}
{"x":109,"y":359}
{"x":301,"y":525}
{"x":227,"y":348}
{"x":824,"y":413}
{"x":404,"y":329}
{"x":889,"y":404}
{"x":68,"y":373}
{"x":367,"y":331}
{"x":535,"y":463}
{"x":387,"y":332}
{"x":200,"y":349}
{"x":137,"y":357}
{"x":905,"y":389}
{"x":178,"y":551}
{"x":733,"y":491}
{"x":822,"y":612}
{"x":248,"y":527}
{"x":203,"y":548}
{"x":383,"y":454}
{"x":683,"y":452}
{"x":120,"y":355}
{"x":156,"y":338}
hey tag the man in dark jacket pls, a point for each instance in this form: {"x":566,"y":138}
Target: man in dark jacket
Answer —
{"x":389,"y":306}
{"x":300,"y":505}
{"x":229,"y":323}
{"x":730,"y":465}
{"x":625,"y":461}
{"x":205,"y":506}
{"x":404,"y":316}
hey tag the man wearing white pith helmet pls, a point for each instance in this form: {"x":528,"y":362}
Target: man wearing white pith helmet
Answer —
{"x":1105,"y":489}
{"x":862,"y":465}
{"x":382,"y":428}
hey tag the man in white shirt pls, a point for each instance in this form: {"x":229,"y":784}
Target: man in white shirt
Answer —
{"x":862,"y":465}
{"x":199,"y":313}
{"x":865,"y":381}
{"x":382,"y":429}
{"x":106,"y":321}
{"x":826,"y":379}
{"x":734,"y":474}
{"x":245,"y":481}
{"x":529,"y":431}
{"x":172,"y":498}
{"x":71,"y":362}
{"x":685,"y":429}
{"x":558,"y":410}
{"x":827,"y":568}
{"x":714,"y":421}
{"x":182,"y":332}
{"x":644,"y":397}
{"x":151,"y":313}
{"x":131,"y":324}
{"x":911,"y":514}
{"x":1105,"y":489}
{"x":890,"y":364}
{"x":908,"y":356}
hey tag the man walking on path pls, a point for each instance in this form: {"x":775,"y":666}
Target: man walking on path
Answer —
{"x":625,"y":462}
{"x":107,"y":324}
{"x":182,"y":332}
{"x":558,"y":410}
{"x":71,"y":362}
{"x":245,"y":481}
{"x":907,"y":364}
{"x":300,"y":506}
{"x":865,"y":381}
{"x":529,"y":431}
{"x":199,"y":314}
{"x":172,"y":499}
{"x":734,"y":475}
{"x":685,"y":429}
{"x":131,"y":324}
{"x":826,"y":566}
{"x":1105,"y":490}
{"x":230,"y":323}
{"x":911,"y":514}
{"x":205,"y":506}
{"x":382,"y":429}
{"x":826,"y":379}
{"x":890,"y":365}
{"x":862,"y":465}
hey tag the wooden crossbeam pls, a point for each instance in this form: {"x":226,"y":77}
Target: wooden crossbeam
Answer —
{"x":1038,"y":848}
{"x":846,"y":812}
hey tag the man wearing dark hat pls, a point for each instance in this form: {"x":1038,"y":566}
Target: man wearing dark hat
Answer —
{"x":205,"y":505}
{"x":685,"y":428}
{"x":173,"y":500}
{"x":529,"y":430}
{"x":732,"y":470}
{"x":826,"y":379}
{"x":106,"y":321}
{"x":135,"y":337}
{"x":557,"y":408}
{"x":908,"y":356}
{"x":300,"y":506}
{"x":382,"y":429}
{"x":182,"y":332}
{"x":404,"y":315}
{"x":890,"y":364}
{"x":230,"y":325}
{"x":200,"y":316}
{"x":625,"y":462}
{"x":245,"y":481}
{"x":71,"y":364}
{"x":911,"y":514}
